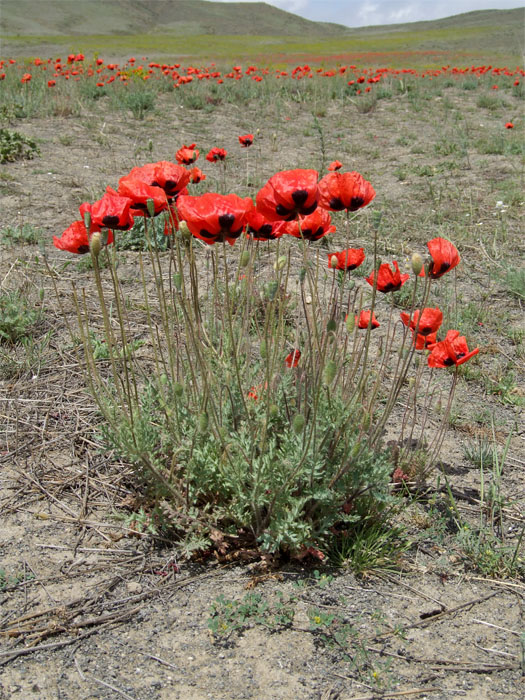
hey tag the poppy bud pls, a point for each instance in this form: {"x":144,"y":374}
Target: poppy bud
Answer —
{"x":184,"y":231}
{"x":302,"y":274}
{"x":177,"y":280}
{"x":281,"y":262}
{"x":376,"y":219}
{"x":95,"y":244}
{"x":331,"y":326}
{"x":245,"y":259}
{"x":203,"y":422}
{"x":417,"y":263}
{"x":87,"y":220}
{"x":350,"y":322}
{"x":263,"y":350}
{"x":330,"y":370}
{"x":150,"y":204}
{"x":333,"y":261}
{"x":271,"y":290}
{"x":178,"y":390}
{"x":273,"y":411}
{"x":298,"y":424}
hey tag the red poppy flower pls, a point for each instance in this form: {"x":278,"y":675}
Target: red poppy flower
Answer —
{"x":75,"y":239}
{"x":451,"y":351}
{"x":216,"y":154}
{"x":140,"y":193}
{"x":51,"y":83}
{"x":288,"y":194}
{"x":26,"y":78}
{"x":335,"y":165}
{"x":428,"y":322}
{"x":509,"y":125}
{"x":187,"y":154}
{"x":260,"y":229}
{"x":246,"y":140}
{"x":349,"y":191}
{"x":388,"y":280}
{"x":112,"y":211}
{"x":292,"y":360}
{"x":196,"y":175}
{"x":168,"y":176}
{"x":444,"y":256}
{"x":214,"y":217}
{"x":363,"y":320}
{"x":347,"y":259}
{"x":312,"y":227}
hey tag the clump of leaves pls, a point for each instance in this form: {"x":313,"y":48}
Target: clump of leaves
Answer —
{"x":17,"y":317}
{"x":27,"y":234}
{"x":15,"y":146}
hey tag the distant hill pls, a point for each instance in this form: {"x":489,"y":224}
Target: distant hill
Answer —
{"x":178,"y":17}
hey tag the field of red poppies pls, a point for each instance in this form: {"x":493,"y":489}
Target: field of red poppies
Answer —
{"x":262,"y":380}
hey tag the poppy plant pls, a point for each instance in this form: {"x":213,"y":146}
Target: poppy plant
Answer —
{"x":426,"y":323}
{"x":509,"y":125}
{"x":348,"y":191}
{"x":388,"y":279}
{"x":292,"y":360}
{"x":246,"y":140}
{"x":312,"y":227}
{"x":214,"y":217}
{"x":444,"y":256}
{"x":216,"y":154}
{"x":196,"y":175}
{"x":453,"y":351}
{"x":75,"y":239}
{"x":347,"y":259}
{"x":187,"y":154}
{"x":112,"y":211}
{"x":168,"y":176}
{"x":260,"y":229}
{"x":141,"y":194}
{"x":288,"y":194}
{"x":363,"y":320}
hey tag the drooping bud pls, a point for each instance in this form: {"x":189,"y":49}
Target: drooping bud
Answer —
{"x":178,"y":390}
{"x":350,"y":322}
{"x":417,"y":263}
{"x":263,"y":349}
{"x":150,"y":204}
{"x":87,"y":220}
{"x":331,"y":326}
{"x":203,"y":422}
{"x":280,"y":263}
{"x":245,"y":259}
{"x":271,"y":289}
{"x":302,"y":274}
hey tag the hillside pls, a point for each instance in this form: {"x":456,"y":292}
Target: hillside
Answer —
{"x":178,"y":17}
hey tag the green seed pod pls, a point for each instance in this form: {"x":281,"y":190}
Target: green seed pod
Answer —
{"x":417,"y":263}
{"x":203,"y":422}
{"x":263,"y":349}
{"x":273,"y":411}
{"x":298,"y":424}
{"x":350,"y":323}
{"x":245,"y":259}
{"x":150,"y":204}
{"x":331,"y":326}
{"x":177,"y":281}
{"x":330,"y":370}
{"x":178,"y":390}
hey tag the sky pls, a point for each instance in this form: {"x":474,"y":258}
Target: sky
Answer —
{"x":361,"y":13}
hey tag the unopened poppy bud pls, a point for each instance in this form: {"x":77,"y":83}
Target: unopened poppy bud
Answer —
{"x":280,"y":263}
{"x":95,"y":245}
{"x":302,"y":274}
{"x":273,"y":411}
{"x":271,"y":290}
{"x":376,"y":219}
{"x":184,"y":231}
{"x":87,"y":220}
{"x":350,"y":322}
{"x":177,"y":281}
{"x":203,"y":422}
{"x":150,"y":204}
{"x":417,"y":263}
{"x":366,"y":421}
{"x":331,"y":326}
{"x":298,"y":424}
{"x":245,"y":259}
{"x":333,"y":261}
{"x":429,"y":265}
{"x":178,"y":390}
{"x":329,"y":373}
{"x":258,"y":131}
{"x":263,"y":350}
